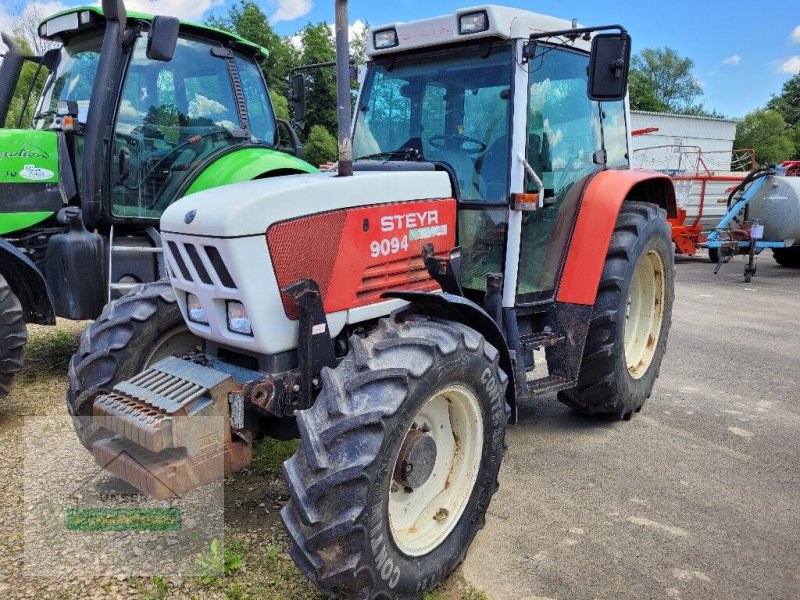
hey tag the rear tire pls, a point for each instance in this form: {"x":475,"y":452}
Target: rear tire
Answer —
{"x":348,"y":518}
{"x":133,"y":332}
{"x":13,"y":337}
{"x":617,"y":374}
{"x":713,"y":255}
{"x":787,"y":257}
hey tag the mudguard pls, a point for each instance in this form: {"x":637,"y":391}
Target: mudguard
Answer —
{"x":462,"y":310}
{"x":595,"y":223}
{"x":28,"y":284}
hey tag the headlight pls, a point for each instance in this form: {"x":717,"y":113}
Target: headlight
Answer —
{"x":473,"y":22}
{"x":385,"y":39}
{"x":238,"y":321}
{"x":195,"y":310}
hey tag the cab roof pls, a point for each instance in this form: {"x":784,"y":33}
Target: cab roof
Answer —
{"x":502,"y":22}
{"x":96,"y":20}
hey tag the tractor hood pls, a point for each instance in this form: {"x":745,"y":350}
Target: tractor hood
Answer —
{"x":249,"y":208}
{"x":28,"y":155}
{"x":31,"y":188}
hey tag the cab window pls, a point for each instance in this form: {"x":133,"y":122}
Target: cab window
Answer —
{"x":172,"y":117}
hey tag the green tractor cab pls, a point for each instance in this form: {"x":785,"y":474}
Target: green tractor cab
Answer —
{"x":136,"y":111}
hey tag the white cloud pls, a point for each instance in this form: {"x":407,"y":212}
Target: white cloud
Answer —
{"x":733,"y":59}
{"x":791,"y":66}
{"x":289,"y":10}
{"x":192,"y":10}
{"x":796,"y":35}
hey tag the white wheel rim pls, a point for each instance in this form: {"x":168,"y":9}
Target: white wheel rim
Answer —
{"x":421,"y":519}
{"x":178,"y":342}
{"x":644,"y":314}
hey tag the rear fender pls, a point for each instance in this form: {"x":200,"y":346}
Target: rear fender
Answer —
{"x":596,"y":220}
{"x":457,"y":308}
{"x":28,"y":284}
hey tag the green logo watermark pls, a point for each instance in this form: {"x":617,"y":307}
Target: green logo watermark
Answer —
{"x":124,"y":519}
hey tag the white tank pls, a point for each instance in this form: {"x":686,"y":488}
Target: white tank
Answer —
{"x":777,"y":207}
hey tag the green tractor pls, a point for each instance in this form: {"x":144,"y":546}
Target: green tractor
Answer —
{"x":136,"y":111}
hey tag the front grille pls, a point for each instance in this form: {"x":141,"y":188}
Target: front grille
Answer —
{"x":206,"y":260}
{"x":406,"y":274}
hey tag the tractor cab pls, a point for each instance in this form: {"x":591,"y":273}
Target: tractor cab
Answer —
{"x":172,"y":108}
{"x":506,"y":115}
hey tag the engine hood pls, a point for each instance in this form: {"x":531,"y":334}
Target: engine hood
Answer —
{"x":249,"y":208}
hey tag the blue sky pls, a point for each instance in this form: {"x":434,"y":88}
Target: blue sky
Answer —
{"x":743,"y":54}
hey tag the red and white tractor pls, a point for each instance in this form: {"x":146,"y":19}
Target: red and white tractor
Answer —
{"x":389,"y":319}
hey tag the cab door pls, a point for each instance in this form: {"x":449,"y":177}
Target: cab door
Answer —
{"x":563,"y":135}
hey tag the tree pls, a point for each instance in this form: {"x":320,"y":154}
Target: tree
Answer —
{"x":280,"y":104}
{"x":25,"y":26}
{"x":318,"y":47}
{"x":26,"y":80}
{"x":320,"y":147}
{"x":788,"y":101}
{"x":765,"y":131}
{"x":249,"y":21}
{"x":359,"y":42}
{"x":669,"y":76}
{"x":643,"y":94}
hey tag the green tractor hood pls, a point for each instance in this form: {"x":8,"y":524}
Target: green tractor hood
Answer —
{"x":30,"y":187}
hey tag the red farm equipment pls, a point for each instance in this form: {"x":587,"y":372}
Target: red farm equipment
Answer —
{"x":703,"y":181}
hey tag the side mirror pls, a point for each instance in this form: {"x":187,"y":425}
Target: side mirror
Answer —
{"x":288,"y":140}
{"x":608,"y":66}
{"x":298,"y":100}
{"x":163,"y":38}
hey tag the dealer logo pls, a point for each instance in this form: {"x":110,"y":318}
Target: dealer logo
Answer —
{"x":35,"y":173}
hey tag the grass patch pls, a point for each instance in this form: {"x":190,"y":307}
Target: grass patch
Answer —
{"x":269,"y":456}
{"x":50,"y":349}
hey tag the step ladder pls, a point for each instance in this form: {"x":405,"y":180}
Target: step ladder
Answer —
{"x":156,"y":250}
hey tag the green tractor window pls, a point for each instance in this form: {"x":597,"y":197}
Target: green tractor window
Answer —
{"x":172,"y":118}
{"x":75,"y":75}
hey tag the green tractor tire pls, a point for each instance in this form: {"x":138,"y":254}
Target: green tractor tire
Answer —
{"x":13,"y":337}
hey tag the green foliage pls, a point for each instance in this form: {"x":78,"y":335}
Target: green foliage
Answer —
{"x":249,"y":21}
{"x":218,"y":560}
{"x":643,"y":94}
{"x":663,"y":80}
{"x":788,"y":102}
{"x":321,"y":147}
{"x":765,"y":131}
{"x":269,"y":456}
{"x":280,"y":104}
{"x":26,"y":79}
{"x":318,"y":47}
{"x":160,"y":584}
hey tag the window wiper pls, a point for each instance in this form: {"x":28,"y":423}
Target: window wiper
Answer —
{"x":399,"y":154}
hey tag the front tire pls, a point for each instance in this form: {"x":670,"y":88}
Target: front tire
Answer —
{"x":357,"y":530}
{"x":133,"y":332}
{"x":13,"y":337}
{"x":631,"y":318}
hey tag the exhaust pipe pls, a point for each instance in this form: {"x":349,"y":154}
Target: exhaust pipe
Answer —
{"x":9,"y":74}
{"x":343,"y":88}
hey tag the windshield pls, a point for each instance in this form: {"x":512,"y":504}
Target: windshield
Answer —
{"x":173,"y":116}
{"x":452,"y":109}
{"x":73,"y":78}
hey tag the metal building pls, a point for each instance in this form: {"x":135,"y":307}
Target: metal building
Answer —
{"x":697,"y":152}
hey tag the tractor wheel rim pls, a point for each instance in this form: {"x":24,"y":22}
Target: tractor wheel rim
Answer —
{"x":177,"y":342}
{"x":644,"y":314}
{"x":421,"y":519}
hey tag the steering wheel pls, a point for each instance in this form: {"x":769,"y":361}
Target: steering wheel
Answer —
{"x":440,"y":142}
